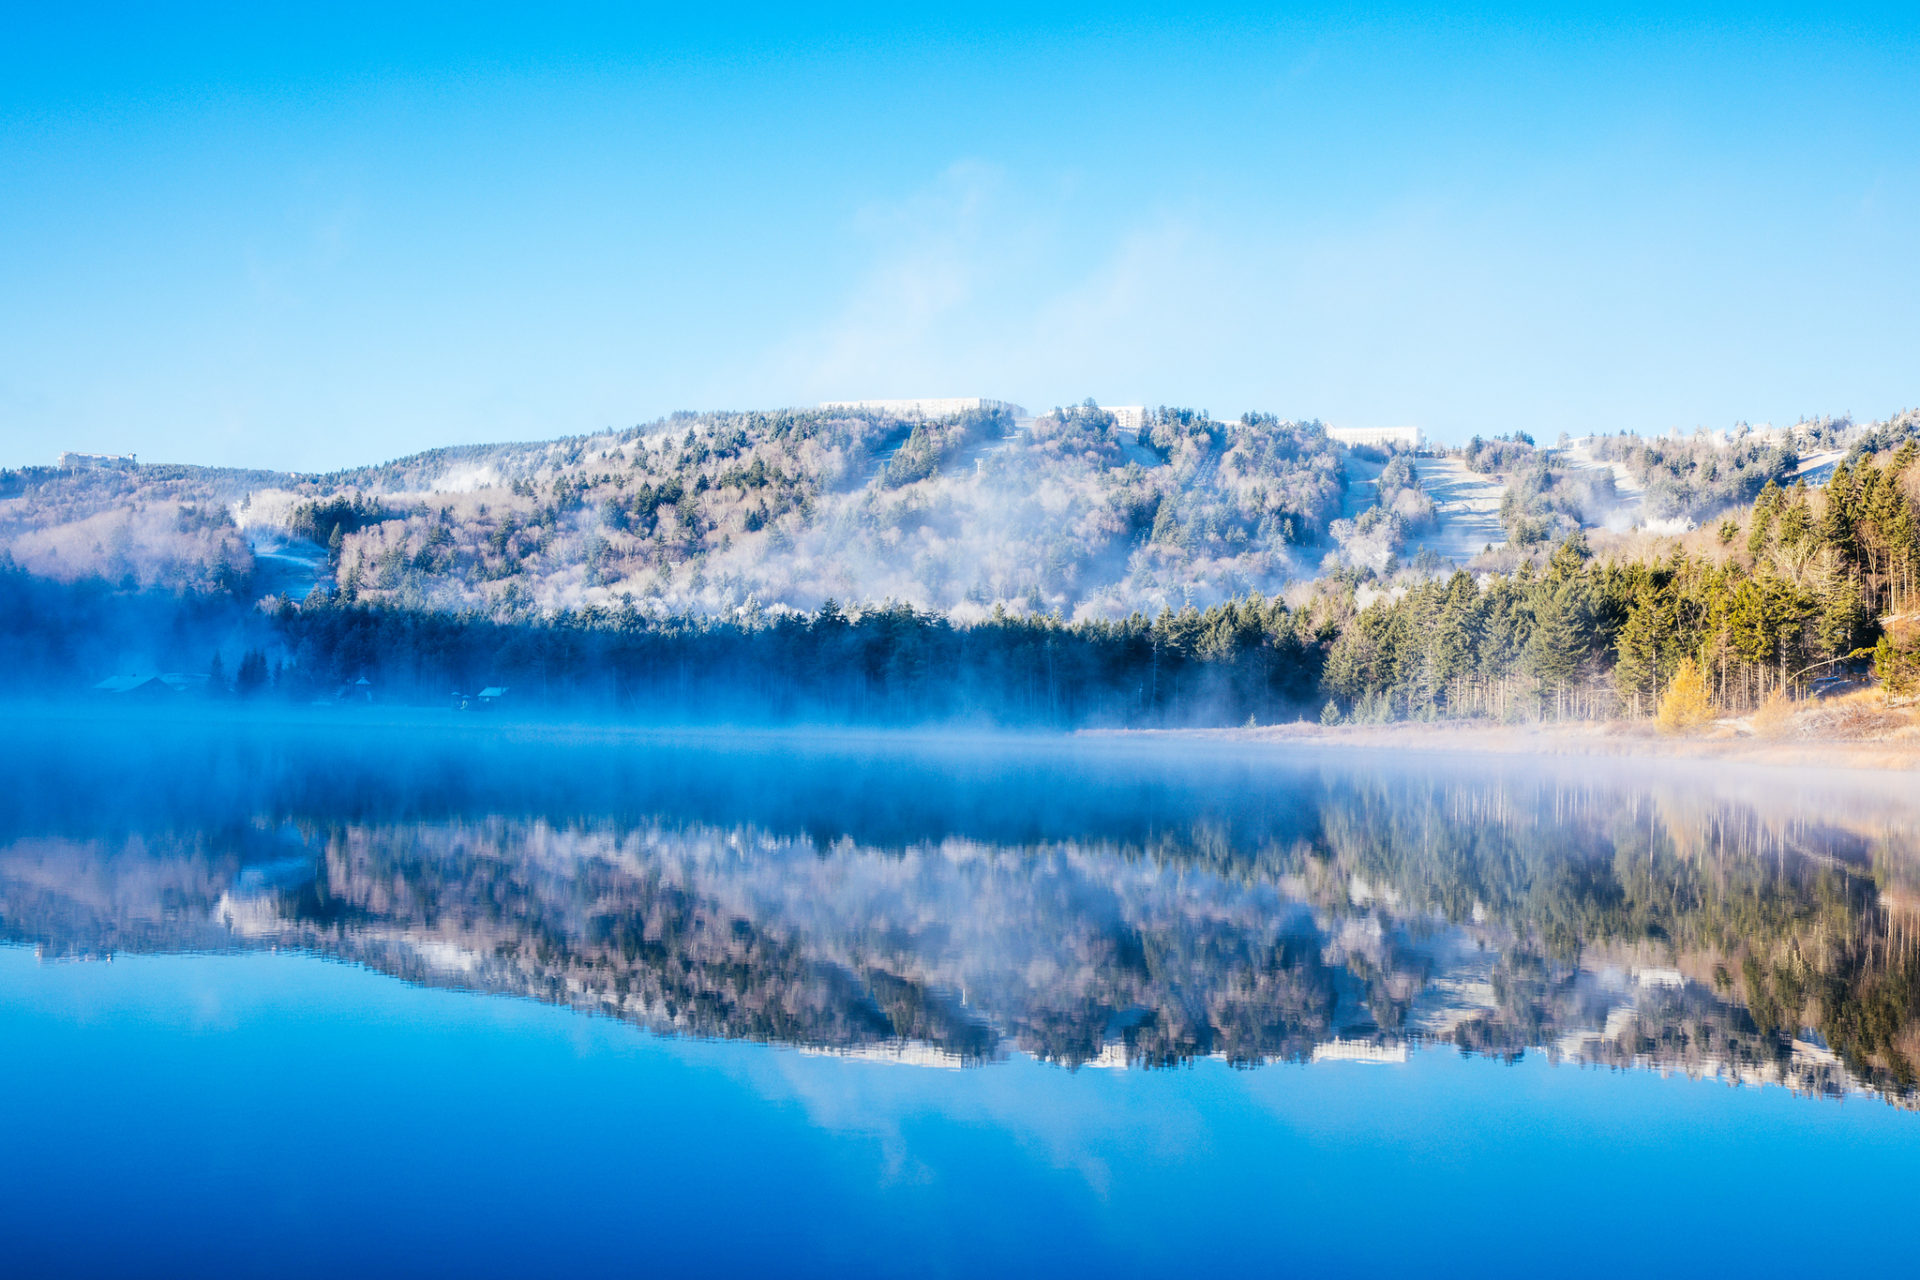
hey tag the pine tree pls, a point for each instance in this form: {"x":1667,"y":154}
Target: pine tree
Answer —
{"x":1840,"y":612}
{"x":1556,"y":649}
{"x":1766,"y":509}
{"x":1796,"y":519}
{"x":1896,"y":661}
{"x":1638,"y":666}
{"x":1836,"y":523}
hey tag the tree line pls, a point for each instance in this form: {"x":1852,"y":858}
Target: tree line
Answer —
{"x":1247,"y":658}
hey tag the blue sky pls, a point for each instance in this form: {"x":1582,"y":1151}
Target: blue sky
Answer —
{"x":240,"y":237}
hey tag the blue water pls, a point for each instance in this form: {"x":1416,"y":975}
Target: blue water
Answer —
{"x":282,"y":1115}
{"x":288,"y":1000}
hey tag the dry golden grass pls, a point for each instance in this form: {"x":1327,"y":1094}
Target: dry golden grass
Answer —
{"x":1856,"y":717}
{"x":1775,"y":718}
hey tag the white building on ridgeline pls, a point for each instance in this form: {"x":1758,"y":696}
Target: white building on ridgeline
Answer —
{"x":71,"y":461}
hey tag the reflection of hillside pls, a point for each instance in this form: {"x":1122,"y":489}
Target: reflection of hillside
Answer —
{"x":956,"y":900}
{"x":1601,"y":929}
{"x":722,"y":933}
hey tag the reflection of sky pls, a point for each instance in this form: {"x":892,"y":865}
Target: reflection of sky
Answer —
{"x":275,"y":1114}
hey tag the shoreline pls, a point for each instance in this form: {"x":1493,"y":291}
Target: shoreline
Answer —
{"x":1605,"y":740}
{"x":1889,"y":751}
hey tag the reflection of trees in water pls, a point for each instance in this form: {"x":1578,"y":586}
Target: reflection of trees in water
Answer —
{"x":1601,"y":925}
{"x":741,"y":934}
{"x":1787,"y":919}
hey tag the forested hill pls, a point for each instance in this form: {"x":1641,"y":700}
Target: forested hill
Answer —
{"x":1809,"y":583}
{"x":626,"y":572}
{"x":1075,"y":512}
{"x":708,"y":513}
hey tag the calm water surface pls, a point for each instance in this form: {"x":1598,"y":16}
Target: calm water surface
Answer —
{"x":344,"y":996}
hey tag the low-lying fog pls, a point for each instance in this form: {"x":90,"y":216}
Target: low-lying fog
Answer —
{"x":1122,"y":898}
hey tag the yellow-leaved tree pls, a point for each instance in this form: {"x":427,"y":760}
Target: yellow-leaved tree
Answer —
{"x":1686,"y":704}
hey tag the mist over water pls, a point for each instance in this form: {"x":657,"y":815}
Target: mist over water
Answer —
{"x":1125,"y":899}
{"x":784,"y":913}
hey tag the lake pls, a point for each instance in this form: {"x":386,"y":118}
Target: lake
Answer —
{"x":407,"y":996}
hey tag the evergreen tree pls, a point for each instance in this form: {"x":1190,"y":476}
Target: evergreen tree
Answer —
{"x":1766,"y":510}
